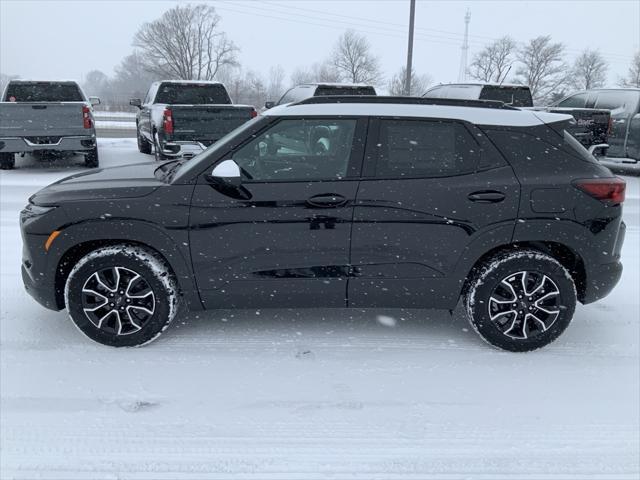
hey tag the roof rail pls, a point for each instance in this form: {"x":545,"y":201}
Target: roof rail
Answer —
{"x":404,"y":101}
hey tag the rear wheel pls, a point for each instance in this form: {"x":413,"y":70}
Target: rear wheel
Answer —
{"x":520,"y":301}
{"x":144,"y":146}
{"x":121,"y":296}
{"x":91,"y":158}
{"x":7,"y":161}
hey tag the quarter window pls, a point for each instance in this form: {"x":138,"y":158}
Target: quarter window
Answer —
{"x":298,"y":149}
{"x":415,"y":148}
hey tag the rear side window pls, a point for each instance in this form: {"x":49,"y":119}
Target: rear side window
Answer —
{"x":516,"y":96}
{"x":192,"y":94}
{"x":327,"y":90}
{"x":43,"y":92}
{"x":574,"y":101}
{"x":418,"y":148}
{"x":627,"y":101}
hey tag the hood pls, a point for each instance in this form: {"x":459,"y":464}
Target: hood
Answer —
{"x":128,"y":181}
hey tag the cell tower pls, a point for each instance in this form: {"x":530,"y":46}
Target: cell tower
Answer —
{"x":462,"y":74}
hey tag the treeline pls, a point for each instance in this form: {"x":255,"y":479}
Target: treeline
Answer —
{"x":187,"y":43}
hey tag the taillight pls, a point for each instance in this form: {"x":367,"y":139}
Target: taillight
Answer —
{"x":167,"y":121}
{"x":87,"y":121}
{"x":607,"y":190}
{"x":254,"y":113}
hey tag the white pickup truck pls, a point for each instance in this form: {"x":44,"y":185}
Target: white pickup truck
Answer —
{"x":46,"y":117}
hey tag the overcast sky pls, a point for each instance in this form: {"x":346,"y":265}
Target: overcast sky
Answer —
{"x":67,"y":39}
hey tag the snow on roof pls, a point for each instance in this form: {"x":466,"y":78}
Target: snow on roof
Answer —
{"x":482,"y":84}
{"x":335,"y":84}
{"x":191,"y":82}
{"x":42,"y":80}
{"x":475,"y":115}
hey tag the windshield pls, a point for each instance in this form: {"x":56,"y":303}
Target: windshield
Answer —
{"x":192,"y":94}
{"x":189,"y":167}
{"x":43,"y":92}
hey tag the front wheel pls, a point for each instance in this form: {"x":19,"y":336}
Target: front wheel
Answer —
{"x":520,"y":300}
{"x":122,"y":295}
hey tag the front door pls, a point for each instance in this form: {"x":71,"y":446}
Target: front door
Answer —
{"x":282,"y":238}
{"x":429,"y":191}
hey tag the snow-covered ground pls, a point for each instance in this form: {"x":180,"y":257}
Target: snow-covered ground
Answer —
{"x":312,"y":394}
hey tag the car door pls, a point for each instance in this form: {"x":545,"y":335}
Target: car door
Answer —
{"x":432,"y":195}
{"x":281,"y":239}
{"x":623,"y":105}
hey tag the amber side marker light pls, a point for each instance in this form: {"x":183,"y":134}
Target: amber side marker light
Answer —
{"x":50,"y":240}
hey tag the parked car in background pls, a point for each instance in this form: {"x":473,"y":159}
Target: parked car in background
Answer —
{"x":591,"y":126}
{"x":375,"y":202}
{"x":46,"y":118}
{"x":624,"y":104}
{"x":307,"y":90}
{"x":181,"y":118}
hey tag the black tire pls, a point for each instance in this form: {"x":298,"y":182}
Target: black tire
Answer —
{"x":7,"y":161}
{"x":122,"y":295}
{"x":91,"y":158}
{"x":520,"y":300}
{"x":144,"y":146}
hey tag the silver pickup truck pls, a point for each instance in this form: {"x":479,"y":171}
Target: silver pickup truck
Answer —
{"x":46,"y":117}
{"x":180,"y":118}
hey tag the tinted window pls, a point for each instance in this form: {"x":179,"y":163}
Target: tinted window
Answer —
{"x":43,"y":92}
{"x":516,"y":96}
{"x":299,"y":150}
{"x":574,"y":101}
{"x":627,"y":101}
{"x":287,"y":97}
{"x":416,"y":148}
{"x":192,"y":94}
{"x":323,"y":91}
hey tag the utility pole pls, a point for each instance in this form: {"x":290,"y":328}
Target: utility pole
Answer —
{"x":462,"y":74}
{"x":412,"y":17}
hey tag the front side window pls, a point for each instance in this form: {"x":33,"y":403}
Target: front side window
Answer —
{"x":417,"y":148}
{"x":298,"y":149}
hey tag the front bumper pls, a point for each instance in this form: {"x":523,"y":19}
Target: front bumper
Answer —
{"x":44,"y":294}
{"x":59,"y":144}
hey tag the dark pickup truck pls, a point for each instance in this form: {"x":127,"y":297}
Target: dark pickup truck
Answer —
{"x":624,"y":105}
{"x":180,"y":118}
{"x":592,"y":125}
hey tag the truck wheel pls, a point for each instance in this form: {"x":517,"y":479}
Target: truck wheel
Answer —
{"x":7,"y":161}
{"x":91,"y":158}
{"x":520,"y":301}
{"x":144,"y":146}
{"x":122,"y":295}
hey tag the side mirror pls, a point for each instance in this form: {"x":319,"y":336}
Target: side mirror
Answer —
{"x":269,"y":105}
{"x":226,"y":173}
{"x":135,"y":102}
{"x":94,"y":100}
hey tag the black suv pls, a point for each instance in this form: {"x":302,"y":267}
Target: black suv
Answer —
{"x":336,"y":202}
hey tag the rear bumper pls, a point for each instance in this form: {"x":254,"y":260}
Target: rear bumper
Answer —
{"x":182,"y":148}
{"x":64,"y":144}
{"x":601,"y":280}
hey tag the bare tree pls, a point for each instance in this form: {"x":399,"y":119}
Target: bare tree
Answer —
{"x":589,"y":70}
{"x":275,"y":87}
{"x":318,"y":72}
{"x":354,"y":61}
{"x":5,"y":79}
{"x":96,"y":82}
{"x":633,"y":76}
{"x":419,"y":83}
{"x":493,"y":62}
{"x":542,"y":67}
{"x":185,"y":43}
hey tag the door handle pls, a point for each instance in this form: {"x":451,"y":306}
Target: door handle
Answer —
{"x":326,"y":200}
{"x":488,"y":196}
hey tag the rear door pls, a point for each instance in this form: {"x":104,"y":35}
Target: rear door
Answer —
{"x":623,"y":105}
{"x":432,"y":194}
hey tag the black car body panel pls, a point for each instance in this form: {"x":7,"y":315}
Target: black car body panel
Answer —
{"x":373,"y":233}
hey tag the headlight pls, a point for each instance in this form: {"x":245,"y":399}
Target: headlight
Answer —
{"x":32,"y":210}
